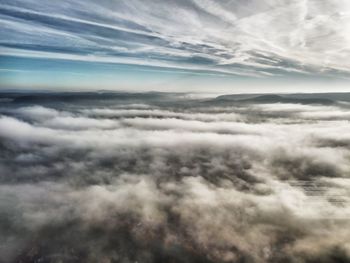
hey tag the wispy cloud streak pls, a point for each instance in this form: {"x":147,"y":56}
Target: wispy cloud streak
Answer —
{"x":255,"y":38}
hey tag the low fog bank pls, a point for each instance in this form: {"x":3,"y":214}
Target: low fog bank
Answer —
{"x":174,"y":179}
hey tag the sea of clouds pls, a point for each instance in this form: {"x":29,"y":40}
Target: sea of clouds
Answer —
{"x":146,"y":182}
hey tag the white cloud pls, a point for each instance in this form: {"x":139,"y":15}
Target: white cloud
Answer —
{"x":230,"y":182}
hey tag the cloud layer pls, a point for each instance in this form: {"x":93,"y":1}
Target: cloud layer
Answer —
{"x":151,"y":183}
{"x":246,"y":38}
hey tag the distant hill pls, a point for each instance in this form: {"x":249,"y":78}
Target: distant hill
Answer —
{"x":335,"y":96}
{"x":50,"y":97}
{"x":165,"y":98}
{"x":281,"y":99}
{"x":273,"y":98}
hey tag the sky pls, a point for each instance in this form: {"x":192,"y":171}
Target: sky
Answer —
{"x":224,"y":46}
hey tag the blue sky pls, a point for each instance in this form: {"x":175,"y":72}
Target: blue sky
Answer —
{"x":175,"y":45}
